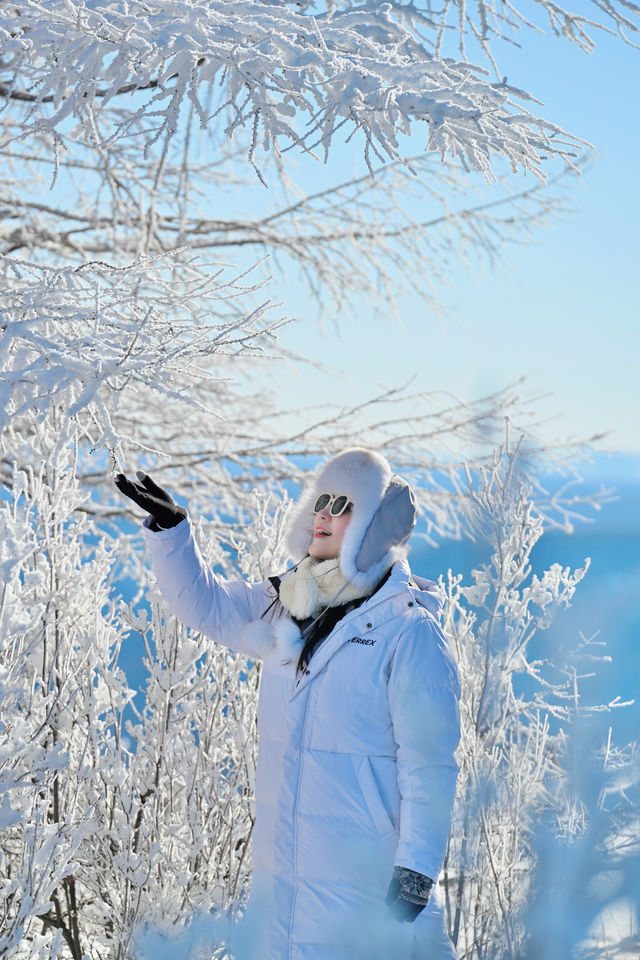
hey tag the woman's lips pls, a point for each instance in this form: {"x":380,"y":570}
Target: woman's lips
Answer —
{"x":321,"y":533}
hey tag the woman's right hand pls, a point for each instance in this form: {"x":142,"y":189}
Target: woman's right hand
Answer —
{"x":161,"y":506}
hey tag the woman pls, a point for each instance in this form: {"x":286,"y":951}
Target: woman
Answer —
{"x":357,"y":716}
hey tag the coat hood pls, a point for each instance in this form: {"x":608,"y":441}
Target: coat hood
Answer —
{"x":383,"y":516}
{"x":428,"y":594}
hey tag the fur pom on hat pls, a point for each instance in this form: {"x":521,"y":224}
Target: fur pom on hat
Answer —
{"x":382,"y":518}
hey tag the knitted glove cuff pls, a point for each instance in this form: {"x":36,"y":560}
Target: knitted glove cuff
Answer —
{"x":414,"y":887}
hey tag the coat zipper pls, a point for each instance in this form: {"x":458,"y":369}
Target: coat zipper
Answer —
{"x":295,"y":827}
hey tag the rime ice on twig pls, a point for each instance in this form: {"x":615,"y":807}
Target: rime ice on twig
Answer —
{"x":332,"y":68}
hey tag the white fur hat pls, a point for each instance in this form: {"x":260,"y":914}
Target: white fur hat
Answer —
{"x":383,"y":515}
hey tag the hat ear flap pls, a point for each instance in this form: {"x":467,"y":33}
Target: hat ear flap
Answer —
{"x":391,"y":524}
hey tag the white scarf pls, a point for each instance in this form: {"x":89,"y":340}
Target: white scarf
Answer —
{"x":312,"y":585}
{"x":305,"y":591}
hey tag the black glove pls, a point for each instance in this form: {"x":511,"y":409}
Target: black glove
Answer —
{"x":408,"y":893}
{"x":165,"y":512}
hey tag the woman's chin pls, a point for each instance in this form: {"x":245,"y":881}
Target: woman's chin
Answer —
{"x":321,"y":550}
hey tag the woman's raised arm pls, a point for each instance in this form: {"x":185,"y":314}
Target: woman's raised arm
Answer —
{"x":218,"y":608}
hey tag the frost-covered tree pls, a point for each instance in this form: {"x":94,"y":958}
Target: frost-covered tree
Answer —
{"x":151,"y":118}
{"x":63,"y":697}
{"x":111,"y":816}
{"x":135,"y":130}
{"x":521,"y":708}
{"x":133,"y":140}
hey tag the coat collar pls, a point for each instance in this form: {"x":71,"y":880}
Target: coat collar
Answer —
{"x":280,"y":638}
{"x":426,"y":593}
{"x":399,"y":595}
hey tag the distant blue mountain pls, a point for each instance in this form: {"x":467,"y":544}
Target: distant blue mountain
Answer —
{"x":615,"y":471}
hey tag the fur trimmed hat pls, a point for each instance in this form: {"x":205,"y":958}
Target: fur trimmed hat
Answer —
{"x":383,"y":516}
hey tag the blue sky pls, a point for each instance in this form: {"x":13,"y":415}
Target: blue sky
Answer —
{"x":561,"y":311}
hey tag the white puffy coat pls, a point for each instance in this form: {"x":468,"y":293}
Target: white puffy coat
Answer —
{"x":356,"y":768}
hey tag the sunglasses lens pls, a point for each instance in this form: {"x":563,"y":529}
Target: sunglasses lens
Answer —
{"x":322,"y":502}
{"x":338,"y":506}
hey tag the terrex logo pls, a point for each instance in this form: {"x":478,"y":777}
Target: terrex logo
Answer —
{"x":365,"y":640}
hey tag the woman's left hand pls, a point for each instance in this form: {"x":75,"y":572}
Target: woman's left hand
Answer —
{"x":408,"y":893}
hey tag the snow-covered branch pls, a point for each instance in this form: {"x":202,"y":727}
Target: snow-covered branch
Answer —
{"x":87,"y":338}
{"x":280,"y":77}
{"x":349,"y":240}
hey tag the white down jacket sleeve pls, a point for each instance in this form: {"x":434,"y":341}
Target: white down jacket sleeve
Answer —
{"x":218,"y":608}
{"x":423,"y":700}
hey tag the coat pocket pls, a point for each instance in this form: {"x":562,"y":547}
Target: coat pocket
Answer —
{"x":372,"y":796}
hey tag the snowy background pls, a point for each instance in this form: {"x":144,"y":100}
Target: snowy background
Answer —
{"x":186,"y":290}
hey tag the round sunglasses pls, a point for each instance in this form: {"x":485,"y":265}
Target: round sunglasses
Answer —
{"x":336,"y":504}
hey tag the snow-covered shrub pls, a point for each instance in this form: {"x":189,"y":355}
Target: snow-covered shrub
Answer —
{"x":111,"y":816}
{"x":518,"y":705}
{"x":63,"y":699}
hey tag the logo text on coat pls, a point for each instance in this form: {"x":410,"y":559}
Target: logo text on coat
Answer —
{"x":365,"y":640}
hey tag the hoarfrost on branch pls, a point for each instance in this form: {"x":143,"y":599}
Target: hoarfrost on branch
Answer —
{"x":281,"y":77}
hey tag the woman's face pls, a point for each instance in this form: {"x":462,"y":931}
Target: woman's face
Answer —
{"x":327,"y":534}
